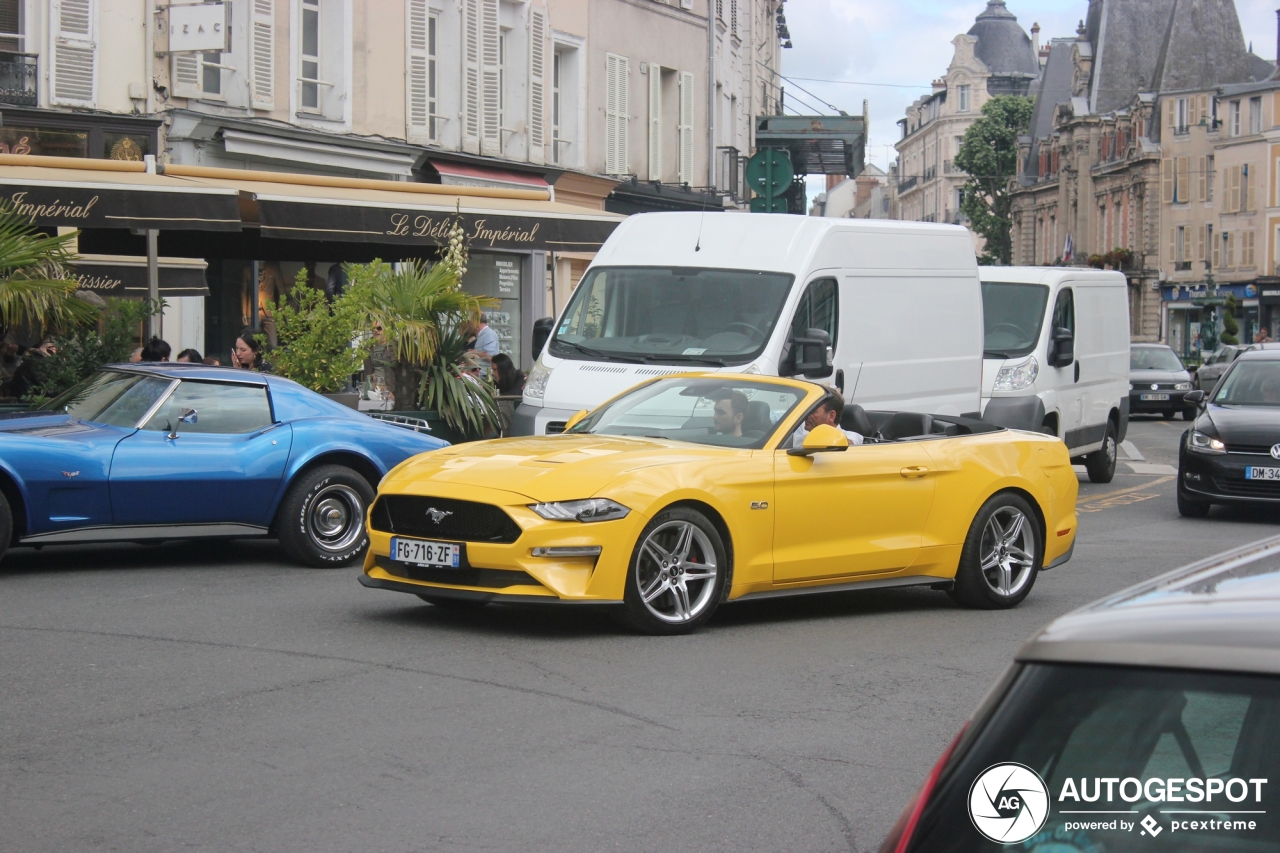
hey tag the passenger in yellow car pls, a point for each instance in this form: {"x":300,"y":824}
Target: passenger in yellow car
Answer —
{"x":729,"y":412}
{"x":830,"y":413}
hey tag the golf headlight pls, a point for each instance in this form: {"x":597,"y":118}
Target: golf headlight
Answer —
{"x":1018,"y":377}
{"x":535,"y":386}
{"x":1182,"y":386}
{"x":1206,"y":443}
{"x":590,"y":510}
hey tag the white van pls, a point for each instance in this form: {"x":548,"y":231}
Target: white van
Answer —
{"x":889,"y":312}
{"x":1056,"y":357}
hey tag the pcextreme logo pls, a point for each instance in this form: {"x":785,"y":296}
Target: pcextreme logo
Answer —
{"x":1008,"y":803}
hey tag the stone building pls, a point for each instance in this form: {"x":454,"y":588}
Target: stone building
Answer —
{"x":996,"y":57}
{"x":1131,"y":87}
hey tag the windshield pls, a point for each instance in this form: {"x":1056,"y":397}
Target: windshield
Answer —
{"x":1118,"y":750}
{"x":716,"y":412}
{"x":1251,"y":383}
{"x":671,"y":316}
{"x":108,"y":397}
{"x":1153,"y":358}
{"x":1012,"y":315}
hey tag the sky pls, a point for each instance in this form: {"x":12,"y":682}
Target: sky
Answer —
{"x":902,"y":45}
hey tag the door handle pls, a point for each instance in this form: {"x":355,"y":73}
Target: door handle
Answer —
{"x":915,"y":472}
{"x":1077,"y":371}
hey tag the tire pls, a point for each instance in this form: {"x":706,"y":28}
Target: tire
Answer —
{"x":1101,"y":464}
{"x":446,"y":603}
{"x":6,"y":525}
{"x":1049,"y":429}
{"x":1169,"y":415}
{"x":321,"y":520}
{"x":1005,"y":537}
{"x":681,"y":566}
{"x":1188,"y":508}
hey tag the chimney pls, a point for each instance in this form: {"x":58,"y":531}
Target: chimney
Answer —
{"x":1035,"y":37}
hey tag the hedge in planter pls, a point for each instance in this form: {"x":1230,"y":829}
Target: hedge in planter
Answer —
{"x":317,"y":344}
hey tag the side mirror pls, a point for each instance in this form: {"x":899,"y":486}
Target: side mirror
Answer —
{"x":575,"y":420}
{"x":186,"y":416}
{"x":1063,"y":351}
{"x":1195,"y":398}
{"x":541,"y":333}
{"x":812,"y":354}
{"x":824,"y":438}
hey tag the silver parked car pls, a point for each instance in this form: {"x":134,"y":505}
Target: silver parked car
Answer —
{"x":1217,"y":363}
{"x":1147,"y":721}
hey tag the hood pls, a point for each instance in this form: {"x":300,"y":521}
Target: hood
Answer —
{"x":1151,"y":377}
{"x":546,"y":468}
{"x":1258,"y":426}
{"x":43,"y":424}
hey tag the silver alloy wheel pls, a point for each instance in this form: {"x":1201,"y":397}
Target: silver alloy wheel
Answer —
{"x":1008,"y":551}
{"x":335,"y":519}
{"x":676,"y":572}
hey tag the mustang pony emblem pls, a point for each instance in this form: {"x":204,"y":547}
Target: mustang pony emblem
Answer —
{"x":71,"y":473}
{"x":438,"y":515}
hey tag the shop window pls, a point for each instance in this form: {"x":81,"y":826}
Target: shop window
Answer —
{"x":499,"y":276}
{"x":125,"y":146}
{"x":42,"y":142}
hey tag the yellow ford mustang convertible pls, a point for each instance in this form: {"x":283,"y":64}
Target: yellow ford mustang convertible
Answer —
{"x":689,"y":491}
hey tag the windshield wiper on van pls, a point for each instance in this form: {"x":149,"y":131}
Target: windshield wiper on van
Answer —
{"x":685,"y":359}
{"x":595,"y":353}
{"x":996,"y":354}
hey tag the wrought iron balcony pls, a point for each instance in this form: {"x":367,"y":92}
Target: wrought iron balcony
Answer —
{"x":18,"y":79}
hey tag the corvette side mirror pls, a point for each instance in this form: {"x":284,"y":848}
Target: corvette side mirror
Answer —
{"x":575,"y":420}
{"x":823,"y":439}
{"x":186,"y":416}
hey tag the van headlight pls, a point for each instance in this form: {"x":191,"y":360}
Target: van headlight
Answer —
{"x":589,"y":510}
{"x":1206,"y":443}
{"x":535,"y":387}
{"x":1018,"y":377}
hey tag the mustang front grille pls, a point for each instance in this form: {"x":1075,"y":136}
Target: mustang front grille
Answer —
{"x":443,"y":518}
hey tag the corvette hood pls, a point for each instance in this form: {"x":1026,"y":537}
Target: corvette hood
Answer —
{"x":45,"y":424}
{"x":544,"y":468}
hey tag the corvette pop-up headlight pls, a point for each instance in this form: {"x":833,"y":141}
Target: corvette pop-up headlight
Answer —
{"x":587,"y":511}
{"x":1206,"y":443}
{"x":535,"y":387}
{"x":1018,"y":377}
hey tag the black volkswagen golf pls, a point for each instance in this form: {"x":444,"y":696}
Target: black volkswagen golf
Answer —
{"x":1231,"y":454}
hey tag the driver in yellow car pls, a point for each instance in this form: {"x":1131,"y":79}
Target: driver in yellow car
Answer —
{"x":829,"y":412}
{"x":729,"y":413}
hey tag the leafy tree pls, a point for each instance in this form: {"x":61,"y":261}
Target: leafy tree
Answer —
{"x":86,"y":348}
{"x":315,"y":340}
{"x":35,"y":287}
{"x":989,"y":155}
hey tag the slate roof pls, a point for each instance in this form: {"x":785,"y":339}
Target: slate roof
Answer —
{"x":1054,"y":88}
{"x":1003,"y":45}
{"x":1260,"y":69}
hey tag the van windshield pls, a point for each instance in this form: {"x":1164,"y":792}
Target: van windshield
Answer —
{"x":1012,"y":314}
{"x":671,"y":315}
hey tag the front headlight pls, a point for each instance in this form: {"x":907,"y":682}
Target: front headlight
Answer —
{"x":1018,"y":377}
{"x":1182,"y":386}
{"x":587,"y":511}
{"x":536,"y":385}
{"x":1206,"y":443}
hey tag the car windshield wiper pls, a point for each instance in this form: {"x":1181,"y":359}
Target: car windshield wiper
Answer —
{"x":685,"y":359}
{"x":595,"y":353}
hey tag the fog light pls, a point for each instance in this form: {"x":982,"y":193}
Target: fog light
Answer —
{"x":569,"y":551}
{"x":1195,"y":478}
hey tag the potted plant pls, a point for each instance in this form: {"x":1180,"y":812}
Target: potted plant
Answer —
{"x":86,"y":347}
{"x":316,"y":342}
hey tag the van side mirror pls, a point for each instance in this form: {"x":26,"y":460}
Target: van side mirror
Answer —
{"x":1195,"y":398}
{"x":541,"y":332}
{"x":1063,"y":351}
{"x":812,"y":354}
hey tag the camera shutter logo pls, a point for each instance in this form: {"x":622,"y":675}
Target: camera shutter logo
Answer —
{"x":1009,"y":803}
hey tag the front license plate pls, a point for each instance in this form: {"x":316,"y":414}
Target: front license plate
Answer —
{"x":1155,"y":397}
{"x":1262,"y":473}
{"x":422,"y":552}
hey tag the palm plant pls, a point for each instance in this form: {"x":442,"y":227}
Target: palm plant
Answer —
{"x":35,"y":286}
{"x":449,"y":387}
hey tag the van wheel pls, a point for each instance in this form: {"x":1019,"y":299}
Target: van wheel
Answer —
{"x":1001,"y":557}
{"x":1101,"y":464}
{"x":1048,"y":428}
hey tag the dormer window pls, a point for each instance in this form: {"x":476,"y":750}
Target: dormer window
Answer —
{"x":962,"y":99}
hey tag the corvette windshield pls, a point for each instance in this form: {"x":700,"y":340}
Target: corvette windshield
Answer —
{"x":715,"y":412}
{"x":671,"y":316}
{"x":1251,"y":383}
{"x":108,"y":397}
{"x":1012,"y":315}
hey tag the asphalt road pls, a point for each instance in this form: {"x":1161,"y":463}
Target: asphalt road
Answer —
{"x":213,"y":697}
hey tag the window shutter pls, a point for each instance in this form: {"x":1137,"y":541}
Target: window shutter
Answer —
{"x":1200,"y":243}
{"x":1246,"y":250}
{"x":1166,"y":180}
{"x":1182,"y":189}
{"x":471,"y":76}
{"x":262,"y":52}
{"x":1202,"y":177}
{"x":1250,"y":188}
{"x":491,"y":59}
{"x":537,"y":85}
{"x":615,"y":131}
{"x":75,"y":51}
{"x":1231,"y":249}
{"x":417,"y":105}
{"x":1233,"y":200}
{"x":1204,"y":109}
{"x":1171,"y":248}
{"x":186,"y":75}
{"x":1192,"y":111}
{"x":687,"y":94}
{"x":655,"y":122}
{"x":1169,"y":118}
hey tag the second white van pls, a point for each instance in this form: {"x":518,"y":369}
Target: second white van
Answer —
{"x":888,"y":312}
{"x":1056,"y":357}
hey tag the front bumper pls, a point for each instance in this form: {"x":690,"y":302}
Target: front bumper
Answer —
{"x":1139,"y":406}
{"x":470,"y":595}
{"x":538,"y":420}
{"x":1220,"y":478}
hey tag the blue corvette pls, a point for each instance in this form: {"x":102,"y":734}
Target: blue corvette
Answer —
{"x":173,"y":451}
